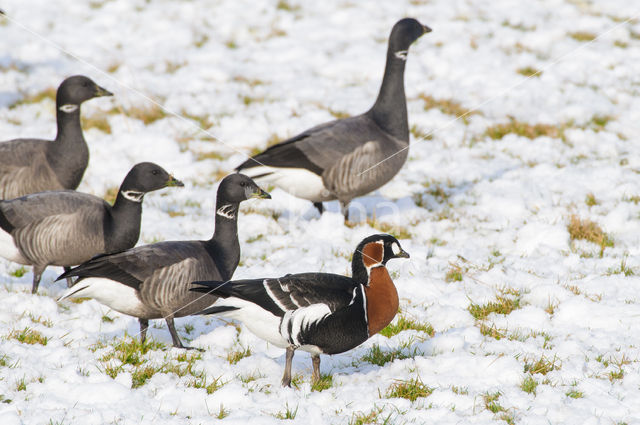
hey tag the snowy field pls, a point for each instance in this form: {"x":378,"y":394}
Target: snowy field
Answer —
{"x":521,"y":301}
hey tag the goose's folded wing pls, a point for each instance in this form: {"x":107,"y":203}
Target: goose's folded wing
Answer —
{"x":287,"y":293}
{"x":134,"y":266}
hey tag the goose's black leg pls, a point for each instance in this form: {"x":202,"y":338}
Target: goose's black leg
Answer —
{"x":286,"y":378}
{"x":37,"y":275}
{"x":319,"y":207}
{"x":144,"y":325}
{"x":344,"y":207}
{"x":174,"y":336}
{"x":315,"y":375}
{"x":69,"y":279}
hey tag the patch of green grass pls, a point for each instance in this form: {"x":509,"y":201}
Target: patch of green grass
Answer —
{"x":616,"y":374}
{"x":454,"y":274}
{"x":97,"y":121}
{"x":491,"y":331}
{"x":530,"y":131}
{"x":285,"y":5}
{"x":543,"y":365}
{"x":378,"y":357}
{"x":200,"y":381}
{"x":325,"y":382}
{"x":599,"y":122}
{"x":529,"y":385}
{"x":43,"y":321}
{"x":411,"y":390}
{"x":19,"y":272}
{"x":585,"y":229}
{"x":48,"y":93}
{"x":106,"y":319}
{"x":339,"y":115}
{"x":222,"y":412}
{"x":372,"y":417}
{"x":130,"y":351}
{"x":590,"y":200}
{"x":448,"y":107}
{"x":399,"y":232}
{"x":147,"y":115}
{"x":403,"y":324}
{"x":235,"y":356}
{"x":529,"y":71}
{"x":140,"y":375}
{"x":287,"y":413}
{"x":502,"y":305}
{"x":491,"y":402}
{"x":420,"y":134}
{"x":622,"y":269}
{"x":582,"y":36}
{"x":28,"y":336}
{"x":574,"y":393}
{"x":21,"y":384}
{"x":79,"y":300}
{"x":459,"y":390}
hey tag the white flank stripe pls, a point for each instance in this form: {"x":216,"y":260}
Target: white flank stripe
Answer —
{"x":303,"y":318}
{"x":299,"y":182}
{"x":9,"y":250}
{"x":114,"y":295}
{"x":273,"y":296}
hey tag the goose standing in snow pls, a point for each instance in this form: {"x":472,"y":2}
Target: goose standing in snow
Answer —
{"x":34,"y":165}
{"x":153,"y":281}
{"x":65,"y":228}
{"x":350,"y":157}
{"x":320,"y":313}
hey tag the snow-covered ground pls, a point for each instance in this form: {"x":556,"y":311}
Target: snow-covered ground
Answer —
{"x":531,"y":325}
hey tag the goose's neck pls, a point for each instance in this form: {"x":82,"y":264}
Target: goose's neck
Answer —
{"x":382,"y":299}
{"x":224,"y":246}
{"x":69,"y":153}
{"x":390,"y":109}
{"x":122,"y":228}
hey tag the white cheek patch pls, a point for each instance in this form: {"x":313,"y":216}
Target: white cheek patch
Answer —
{"x":132,"y":195}
{"x":396,"y":249}
{"x":227,"y":211}
{"x":68,"y":108}
{"x":401,"y":54}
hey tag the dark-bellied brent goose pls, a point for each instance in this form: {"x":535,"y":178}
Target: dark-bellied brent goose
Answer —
{"x":153,"y":281}
{"x":320,"y":313}
{"x":34,"y":165}
{"x":66,"y":228}
{"x":349,"y":157}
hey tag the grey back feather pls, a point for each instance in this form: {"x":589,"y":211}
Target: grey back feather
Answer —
{"x":24,"y":168}
{"x":57,"y":228}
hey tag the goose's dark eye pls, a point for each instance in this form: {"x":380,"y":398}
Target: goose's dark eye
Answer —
{"x":243,"y":184}
{"x":85,"y":84}
{"x":155,"y":172}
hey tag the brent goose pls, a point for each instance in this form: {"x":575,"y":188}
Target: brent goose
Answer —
{"x":34,"y":165}
{"x":320,"y":313}
{"x":65,"y":228}
{"x":153,"y":281}
{"x":350,"y":157}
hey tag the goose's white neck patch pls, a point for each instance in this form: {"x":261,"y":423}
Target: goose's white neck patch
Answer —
{"x":68,"y":108}
{"x":133,"y":195}
{"x":401,"y":54}
{"x":227,"y":211}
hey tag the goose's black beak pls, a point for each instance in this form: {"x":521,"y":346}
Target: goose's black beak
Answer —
{"x":426,"y":29}
{"x":173,"y":182}
{"x":260,"y":194}
{"x":402,"y":254}
{"x":100,"y":91}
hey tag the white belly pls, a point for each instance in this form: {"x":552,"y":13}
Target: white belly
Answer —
{"x":9,"y":250}
{"x":260,"y":322}
{"x":299,"y":182}
{"x":114,"y":295}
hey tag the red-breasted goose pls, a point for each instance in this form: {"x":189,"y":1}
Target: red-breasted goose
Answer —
{"x":350,"y":157}
{"x":34,"y":165}
{"x":65,"y":228}
{"x":320,"y":313}
{"x":153,"y":281}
